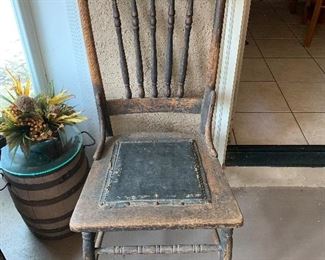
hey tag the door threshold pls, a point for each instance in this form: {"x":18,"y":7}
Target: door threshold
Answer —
{"x":276,"y":155}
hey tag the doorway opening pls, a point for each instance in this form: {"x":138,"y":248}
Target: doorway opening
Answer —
{"x":279,"y":113}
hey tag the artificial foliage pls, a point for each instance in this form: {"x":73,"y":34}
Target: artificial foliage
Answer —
{"x":28,"y":120}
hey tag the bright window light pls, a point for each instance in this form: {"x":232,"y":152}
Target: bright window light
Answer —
{"x":12,"y":55}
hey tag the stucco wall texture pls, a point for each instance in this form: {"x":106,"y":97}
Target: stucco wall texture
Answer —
{"x":108,"y":55}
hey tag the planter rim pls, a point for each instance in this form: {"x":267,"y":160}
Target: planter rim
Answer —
{"x":61,"y":162}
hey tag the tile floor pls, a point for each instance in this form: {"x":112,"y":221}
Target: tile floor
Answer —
{"x":281,"y":96}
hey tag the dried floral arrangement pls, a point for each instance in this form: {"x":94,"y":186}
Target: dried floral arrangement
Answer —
{"x":28,"y":120}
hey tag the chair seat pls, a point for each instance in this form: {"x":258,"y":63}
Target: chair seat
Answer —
{"x":155,"y":172}
{"x":155,"y":181}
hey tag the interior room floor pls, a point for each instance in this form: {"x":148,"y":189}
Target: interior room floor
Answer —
{"x":281,"y":97}
{"x":283,"y":223}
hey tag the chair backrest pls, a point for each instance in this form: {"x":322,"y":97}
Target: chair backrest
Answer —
{"x":143,"y":104}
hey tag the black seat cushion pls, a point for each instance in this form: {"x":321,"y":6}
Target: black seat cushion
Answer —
{"x":161,"y":172}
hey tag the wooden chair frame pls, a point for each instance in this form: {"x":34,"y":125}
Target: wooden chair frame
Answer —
{"x":221,"y":193}
{"x":319,"y":5}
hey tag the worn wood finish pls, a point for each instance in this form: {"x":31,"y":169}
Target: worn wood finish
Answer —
{"x":219,"y":212}
{"x":207,"y":127}
{"x":99,"y":239}
{"x":105,"y":128}
{"x":169,"y":49}
{"x":46,"y":202}
{"x":213,"y":58}
{"x":137,"y":47}
{"x":148,"y":105}
{"x":319,"y":4}
{"x":104,"y":121}
{"x":226,"y":242}
{"x":88,"y":245}
{"x":184,"y":60}
{"x":222,"y":211}
{"x":154,"y":69}
{"x":123,"y":63}
{"x":209,"y":93}
{"x":207,"y":106}
{"x":159,"y":249}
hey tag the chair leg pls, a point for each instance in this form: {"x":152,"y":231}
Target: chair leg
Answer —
{"x":225,"y":238}
{"x":313,"y":23}
{"x":293,"y":6}
{"x":306,"y":11}
{"x":88,"y":245}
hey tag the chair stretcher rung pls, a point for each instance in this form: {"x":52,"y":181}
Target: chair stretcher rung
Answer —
{"x":159,"y":249}
{"x":99,"y":239}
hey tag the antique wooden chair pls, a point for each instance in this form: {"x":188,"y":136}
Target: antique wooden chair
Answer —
{"x":155,"y":181}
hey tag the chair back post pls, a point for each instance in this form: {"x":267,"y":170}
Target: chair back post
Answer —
{"x":148,"y":105}
{"x":184,"y":57}
{"x":169,"y":47}
{"x":104,"y":120}
{"x":209,"y":97}
{"x":153,"y":38}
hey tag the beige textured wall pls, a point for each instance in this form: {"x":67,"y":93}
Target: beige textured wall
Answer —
{"x":107,"y":48}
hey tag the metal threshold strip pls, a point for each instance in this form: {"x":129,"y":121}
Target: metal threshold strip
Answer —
{"x":276,"y":155}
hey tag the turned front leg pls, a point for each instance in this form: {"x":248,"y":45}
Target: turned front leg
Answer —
{"x":225,"y":238}
{"x":88,"y":245}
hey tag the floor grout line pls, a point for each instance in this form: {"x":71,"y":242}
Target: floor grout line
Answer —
{"x":278,"y":58}
{"x":313,"y":58}
{"x":253,"y":38}
{"x":270,"y":112}
{"x":297,"y":38}
{"x":309,"y":52}
{"x":257,"y":81}
{"x":301,"y":112}
{"x":323,"y":70}
{"x":233,"y":133}
{"x":278,"y":112}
